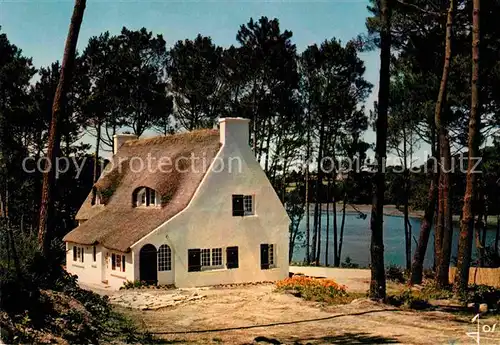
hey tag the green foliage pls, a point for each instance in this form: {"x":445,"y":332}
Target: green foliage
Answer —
{"x":491,"y":257}
{"x":395,"y":273}
{"x":197,"y":70}
{"x":39,"y":295}
{"x":483,"y":294}
{"x":136,"y":284}
{"x":408,"y":299}
{"x":348,"y":263}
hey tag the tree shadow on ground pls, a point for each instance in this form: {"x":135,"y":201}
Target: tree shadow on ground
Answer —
{"x":344,"y":338}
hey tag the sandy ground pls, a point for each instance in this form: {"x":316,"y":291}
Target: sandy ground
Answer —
{"x":257,"y":314}
{"x":246,"y":314}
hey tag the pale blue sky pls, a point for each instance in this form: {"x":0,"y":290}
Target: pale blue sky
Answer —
{"x":39,"y":28}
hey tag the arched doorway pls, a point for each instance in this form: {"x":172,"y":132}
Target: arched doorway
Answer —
{"x":148,"y":264}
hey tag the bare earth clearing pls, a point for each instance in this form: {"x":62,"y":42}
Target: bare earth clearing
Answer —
{"x":244,"y":314}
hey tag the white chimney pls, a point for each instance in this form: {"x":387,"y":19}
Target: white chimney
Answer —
{"x":234,"y":130}
{"x":120,"y":139}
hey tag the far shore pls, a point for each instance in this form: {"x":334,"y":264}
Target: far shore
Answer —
{"x":390,"y":210}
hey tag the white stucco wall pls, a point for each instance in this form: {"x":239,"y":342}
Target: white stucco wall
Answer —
{"x":208,"y":222}
{"x":99,"y":271}
{"x":88,"y":271}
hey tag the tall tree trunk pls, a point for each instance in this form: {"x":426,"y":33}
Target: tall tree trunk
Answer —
{"x":342,"y":226}
{"x":335,"y":232}
{"x":478,"y":225}
{"x":438,"y":231}
{"x":317,"y":189}
{"x":268,"y":149}
{"x":497,"y":235}
{"x":425,"y":231}
{"x":443,"y":226}
{"x":377,"y":283}
{"x":327,"y":221}
{"x":308,"y":220}
{"x":318,"y":252}
{"x":466,"y":225}
{"x":57,"y":107}
{"x":406,"y":210}
{"x":442,"y":274}
{"x":96,"y":161}
{"x":336,"y":262}
{"x":484,"y":225}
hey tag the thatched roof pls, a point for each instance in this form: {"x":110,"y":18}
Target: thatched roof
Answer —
{"x":118,"y":224}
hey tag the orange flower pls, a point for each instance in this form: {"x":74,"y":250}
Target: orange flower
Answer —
{"x":308,"y":282}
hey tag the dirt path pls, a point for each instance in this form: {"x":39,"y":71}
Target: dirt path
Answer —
{"x":243,"y":314}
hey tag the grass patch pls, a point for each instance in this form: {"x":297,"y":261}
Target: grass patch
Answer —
{"x":409,"y":299}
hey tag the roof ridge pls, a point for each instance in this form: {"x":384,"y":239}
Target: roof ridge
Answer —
{"x":194,"y":134}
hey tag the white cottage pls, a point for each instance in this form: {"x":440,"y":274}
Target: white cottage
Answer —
{"x":190,"y":209}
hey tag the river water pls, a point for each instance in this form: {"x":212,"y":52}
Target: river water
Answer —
{"x":357,"y":240}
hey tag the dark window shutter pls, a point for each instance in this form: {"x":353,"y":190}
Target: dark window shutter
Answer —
{"x":232,"y":257}
{"x":95,"y":254}
{"x":83,"y":253}
{"x":238,"y":205}
{"x":74,"y":253}
{"x":123,"y":263}
{"x":264,"y":256}
{"x":113,"y":261}
{"x":194,"y":260}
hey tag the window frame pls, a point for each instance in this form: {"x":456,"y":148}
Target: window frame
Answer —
{"x":248,"y":199}
{"x":80,"y":252}
{"x":146,"y":197}
{"x":151,"y":193}
{"x":216,"y":253}
{"x":205,"y":258}
{"x":164,"y":258}
{"x":268,"y":249}
{"x":118,"y":262}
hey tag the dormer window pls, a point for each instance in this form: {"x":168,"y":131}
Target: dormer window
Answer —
{"x":145,"y":197}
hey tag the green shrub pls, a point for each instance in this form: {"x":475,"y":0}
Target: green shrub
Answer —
{"x":408,"y":299}
{"x":483,"y":294}
{"x":395,"y":273}
{"x":348,"y":263}
{"x":432,"y":291}
{"x":136,"y":284}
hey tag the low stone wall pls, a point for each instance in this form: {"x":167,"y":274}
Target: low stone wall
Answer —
{"x":480,"y":276}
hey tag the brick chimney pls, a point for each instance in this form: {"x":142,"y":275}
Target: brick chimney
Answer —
{"x":234,"y":130}
{"x":120,"y":139}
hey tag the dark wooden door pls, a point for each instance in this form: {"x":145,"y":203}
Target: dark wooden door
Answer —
{"x":148,"y":264}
